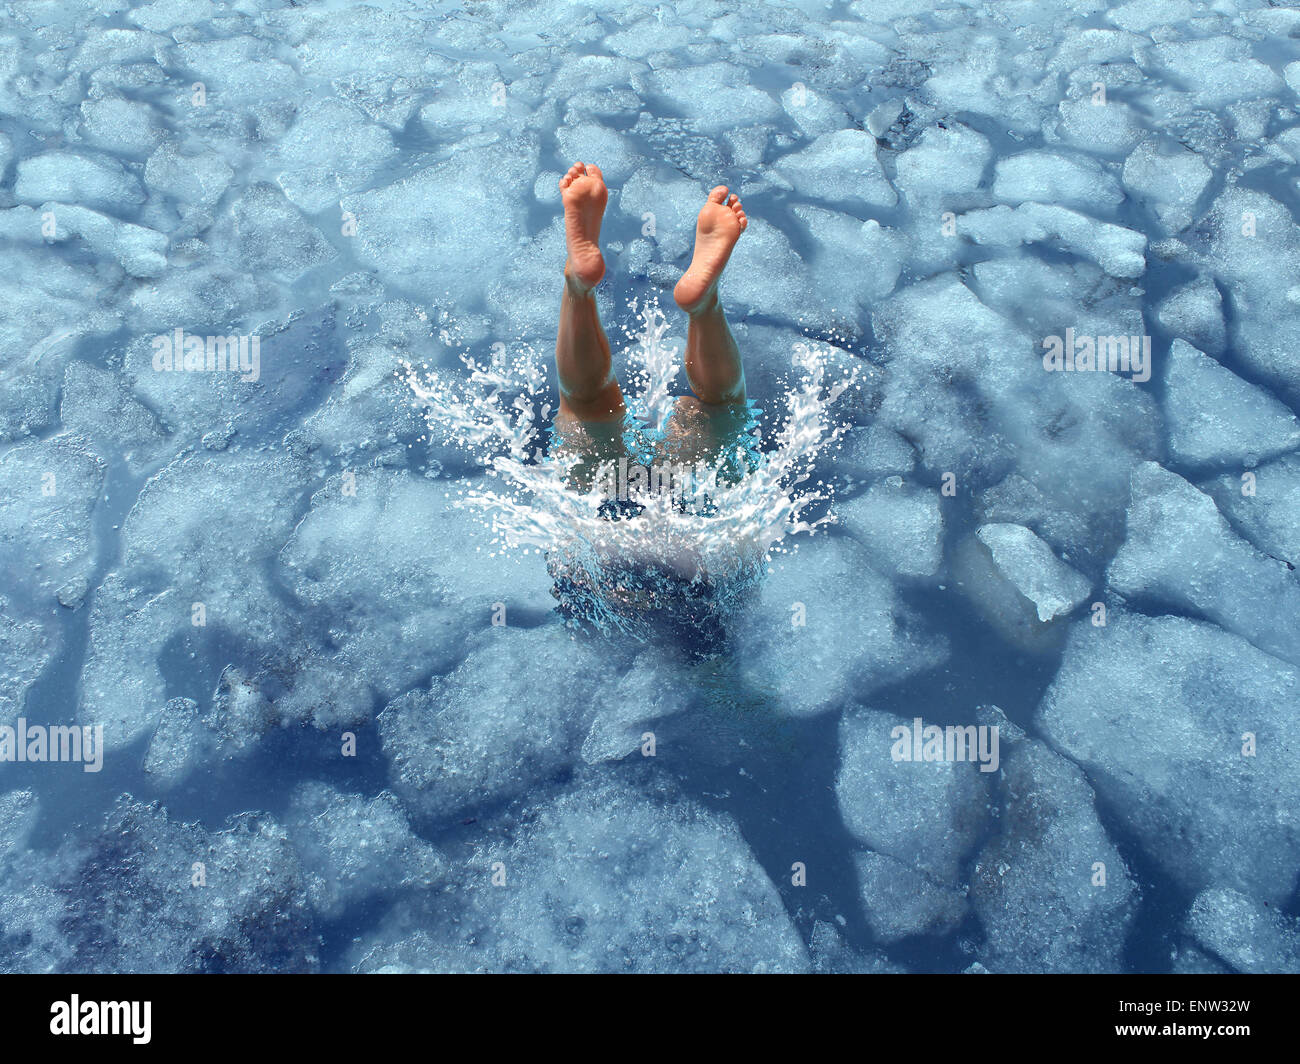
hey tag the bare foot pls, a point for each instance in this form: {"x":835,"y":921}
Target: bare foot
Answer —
{"x":721,"y":221}
{"x":584,"y":194}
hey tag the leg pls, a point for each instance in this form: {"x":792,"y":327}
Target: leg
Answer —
{"x":588,"y":391}
{"x":713,"y":363}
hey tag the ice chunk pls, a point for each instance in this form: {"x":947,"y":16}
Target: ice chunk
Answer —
{"x":327,"y":694}
{"x":1195,"y":312}
{"x":127,"y":127}
{"x":1180,"y":553}
{"x":1040,"y":296}
{"x":679,"y":143}
{"x":831,"y":955}
{"x":410,"y":229}
{"x":166,"y":14}
{"x":769,"y":367}
{"x":600,"y":879}
{"x":609,"y":103}
{"x":145,"y":893}
{"x":882,"y":119}
{"x":1154,"y":710}
{"x":114,"y":45}
{"x":935,"y":335}
{"x":1169,"y":182}
{"x":272,"y":236}
{"x":98,"y":182}
{"x":900,"y":901}
{"x":1215,"y":418}
{"x":1051,"y":890}
{"x":874,"y":451}
{"x":1140,"y":16}
{"x":406,"y":578}
{"x":141,"y":251}
{"x":813,"y":112}
{"x":638,"y":38}
{"x":1251,"y":243}
{"x":1054,"y":177}
{"x":715,"y":97}
{"x":297,"y":360}
{"x":1110,"y":128}
{"x":1264,"y":505}
{"x":671,"y":203}
{"x":928,"y":815}
{"x":336,"y":44}
{"x":241,"y":74}
{"x":576,"y":73}
{"x":972,"y":77}
{"x":123,"y":689}
{"x":968,"y":389}
{"x":196,"y":179}
{"x":352,"y":849}
{"x":840,"y":168}
{"x":1118,"y":251}
{"x":854,"y":263}
{"x":369,"y":412}
{"x":467,"y":741}
{"x":1292,"y":74}
{"x":476,"y":105}
{"x":994,"y":589}
{"x":1029,"y":564}
{"x":46,"y":540}
{"x":527,"y":295}
{"x":18,"y":812}
{"x":616,"y":156}
{"x":1187,"y":959}
{"x":899,"y":526}
{"x":825,"y":628}
{"x":651,"y":690}
{"x":97,"y":404}
{"x":26,"y":647}
{"x":330,"y":151}
{"x":1250,"y":123}
{"x":948,"y":160}
{"x":766,"y":276}
{"x":209,"y":586}
{"x":1250,"y":936}
{"x":118,"y":81}
{"x":389,"y":101}
{"x":1216,"y":70}
{"x":180,"y":742}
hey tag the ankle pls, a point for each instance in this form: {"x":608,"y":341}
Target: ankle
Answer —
{"x":575,"y":286}
{"x":708,"y":304}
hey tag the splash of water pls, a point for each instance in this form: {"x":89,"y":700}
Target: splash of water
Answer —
{"x":654,"y":365}
{"x":693,"y":550}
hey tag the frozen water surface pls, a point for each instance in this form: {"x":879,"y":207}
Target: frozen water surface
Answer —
{"x":321,"y":638}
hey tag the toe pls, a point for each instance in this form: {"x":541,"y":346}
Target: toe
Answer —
{"x":718,"y":194}
{"x":595,"y":172}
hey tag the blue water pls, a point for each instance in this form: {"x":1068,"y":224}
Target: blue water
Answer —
{"x":383,"y":703}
